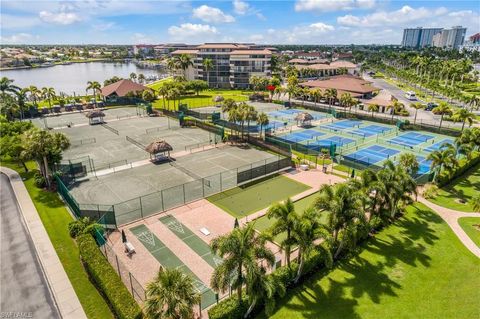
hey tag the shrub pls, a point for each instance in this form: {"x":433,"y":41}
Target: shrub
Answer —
{"x":39,"y":180}
{"x":82,"y":226}
{"x":106,"y":279}
{"x":430,"y":191}
{"x":228,"y":308}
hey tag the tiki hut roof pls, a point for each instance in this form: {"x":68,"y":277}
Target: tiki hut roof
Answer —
{"x":158,"y":147}
{"x":122,"y":88}
{"x":94,"y":113}
{"x":218,"y":98}
{"x":304,"y":116}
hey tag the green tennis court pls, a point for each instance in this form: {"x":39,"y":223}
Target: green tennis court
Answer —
{"x":169,"y":260}
{"x":264,"y":223}
{"x":193,"y":241}
{"x":252,"y":197}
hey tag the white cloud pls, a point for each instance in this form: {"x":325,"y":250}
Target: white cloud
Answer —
{"x":193,"y":32}
{"x":307,"y":34}
{"x":332,"y":5}
{"x":62,"y":18}
{"x":240,"y":7}
{"x":212,"y":15}
{"x":18,"y":38}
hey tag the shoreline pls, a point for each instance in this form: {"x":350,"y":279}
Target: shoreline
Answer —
{"x":25,"y":67}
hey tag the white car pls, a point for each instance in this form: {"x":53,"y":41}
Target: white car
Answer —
{"x":411,"y":96}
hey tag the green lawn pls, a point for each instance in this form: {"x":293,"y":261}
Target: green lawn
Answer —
{"x":205,"y":98}
{"x":263,"y":223}
{"x":416,"y":268}
{"x":471,"y":226}
{"x":252,"y":197}
{"x":156,"y":85}
{"x":463,"y":187}
{"x":55,"y":218}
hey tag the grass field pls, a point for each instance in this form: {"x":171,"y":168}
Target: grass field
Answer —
{"x":263,"y":223}
{"x":416,"y":268}
{"x":205,"y":98}
{"x":471,"y":226}
{"x":252,"y":197}
{"x":55,"y":218}
{"x":463,"y":187}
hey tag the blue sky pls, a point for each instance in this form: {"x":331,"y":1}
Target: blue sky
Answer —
{"x":290,"y":22}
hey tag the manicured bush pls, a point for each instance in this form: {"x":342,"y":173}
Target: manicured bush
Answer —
{"x":228,"y":308}
{"x":40,"y":181}
{"x":463,"y":166}
{"x":106,"y":279}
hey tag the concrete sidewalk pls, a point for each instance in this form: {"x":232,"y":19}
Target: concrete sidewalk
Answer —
{"x":63,"y":294}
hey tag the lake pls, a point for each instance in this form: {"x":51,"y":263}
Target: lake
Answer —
{"x":74,"y":77}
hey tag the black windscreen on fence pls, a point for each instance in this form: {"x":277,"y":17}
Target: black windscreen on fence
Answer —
{"x":262,"y":170}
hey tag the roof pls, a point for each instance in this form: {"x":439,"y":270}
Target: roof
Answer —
{"x":347,"y":83}
{"x":222,"y":46}
{"x":318,"y":66}
{"x":382,"y":99}
{"x":122,"y":88}
{"x":300,"y":61}
{"x":343,"y":64}
{"x":191,"y":51}
{"x":250,"y":52}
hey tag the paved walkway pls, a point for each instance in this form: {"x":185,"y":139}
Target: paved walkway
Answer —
{"x":451,"y":217}
{"x":55,"y":287}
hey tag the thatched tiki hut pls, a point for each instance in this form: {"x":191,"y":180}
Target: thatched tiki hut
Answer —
{"x":304,"y":118}
{"x":95,"y":117}
{"x":158,"y":149}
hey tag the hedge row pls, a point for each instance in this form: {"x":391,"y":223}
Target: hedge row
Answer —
{"x":463,"y":166}
{"x":106,"y":279}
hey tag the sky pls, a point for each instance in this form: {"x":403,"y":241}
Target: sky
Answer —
{"x":193,"y":22}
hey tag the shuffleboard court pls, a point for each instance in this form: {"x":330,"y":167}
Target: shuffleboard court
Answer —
{"x":192,"y":240}
{"x":169,"y":260}
{"x":252,"y":197}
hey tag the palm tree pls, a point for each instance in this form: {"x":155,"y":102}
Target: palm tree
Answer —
{"x":316,"y":94}
{"x":163,"y":91}
{"x":49,"y":94}
{"x":172,"y":65}
{"x":21,"y":97}
{"x":373,"y":108}
{"x":228,"y":104}
{"x":417,"y":106}
{"x":395,"y":106}
{"x":133,"y":76}
{"x":292,"y":86}
{"x":94,"y":86}
{"x":141,"y":78}
{"x":409,"y":162}
{"x":172,"y":294}
{"x":207,"y":67}
{"x":331,"y":95}
{"x":183,"y":61}
{"x":242,"y":250}
{"x":262,"y":120}
{"x":285,"y":219}
{"x":475,"y":203}
{"x":306,"y":231}
{"x":442,"y":109}
{"x":6,"y":86}
{"x":443,"y":159}
{"x":463,"y":115}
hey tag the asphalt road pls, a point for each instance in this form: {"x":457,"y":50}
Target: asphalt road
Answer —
{"x":23,"y":287}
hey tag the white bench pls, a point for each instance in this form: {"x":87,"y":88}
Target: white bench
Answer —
{"x":205,"y":231}
{"x":129,"y":249}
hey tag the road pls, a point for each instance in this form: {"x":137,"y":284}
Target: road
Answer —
{"x":23,"y":287}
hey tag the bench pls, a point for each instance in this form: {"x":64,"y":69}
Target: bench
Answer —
{"x":129,"y":249}
{"x":205,"y":231}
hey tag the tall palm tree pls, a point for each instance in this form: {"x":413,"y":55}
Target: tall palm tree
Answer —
{"x":262,"y":120}
{"x":171,"y":294}
{"x":463,"y":115}
{"x":163,"y":91}
{"x":49,"y":94}
{"x":409,"y":162}
{"x":133,"y":76}
{"x":21,"y":98}
{"x":417,"y":106}
{"x":373,"y":108}
{"x":285,"y":219}
{"x":442,"y":109}
{"x":395,"y":107}
{"x":7,"y":86}
{"x":94,"y":86}
{"x":35,"y":94}
{"x":331,"y":95}
{"x":306,"y":231}
{"x":172,"y":65}
{"x":242,"y":249}
{"x":207,"y":67}
{"x":316,"y":94}
{"x":292,"y":86}
{"x":141,"y":78}
{"x":475,"y":203}
{"x":183,"y":61}
{"x":442,"y":160}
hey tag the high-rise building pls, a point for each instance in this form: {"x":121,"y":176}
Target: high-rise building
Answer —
{"x":232,"y":64}
{"x":419,"y":37}
{"x":451,"y":38}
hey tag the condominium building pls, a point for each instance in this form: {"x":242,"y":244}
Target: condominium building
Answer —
{"x":451,"y":38}
{"x":419,"y":37}
{"x":232,"y":64}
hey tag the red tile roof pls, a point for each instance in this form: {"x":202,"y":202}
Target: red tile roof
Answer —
{"x":343,"y":64}
{"x":122,"y":88}
{"x":347,"y":83}
{"x":316,"y":67}
{"x":250,"y":52}
{"x":181,"y":51}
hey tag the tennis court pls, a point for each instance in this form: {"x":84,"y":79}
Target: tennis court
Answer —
{"x":169,"y":260}
{"x":438,"y":145}
{"x":200,"y":247}
{"x":410,"y":139}
{"x":423,"y":165}
{"x":371,"y":155}
{"x":342,"y":125}
{"x":252,"y":197}
{"x":371,"y":130}
{"x":301,"y":135}
{"x":329,"y":141}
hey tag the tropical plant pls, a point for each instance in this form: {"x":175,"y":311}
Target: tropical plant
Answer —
{"x":172,"y":295}
{"x":7,"y":86}
{"x":331,"y":96}
{"x":183,"y":62}
{"x":35,"y":94}
{"x":197,"y":86}
{"x":133,"y":76}
{"x":396,"y":107}
{"x":475,"y":202}
{"x":430,"y":191}
{"x":241,"y":249}
{"x":292,"y":86}
{"x":409,"y":162}
{"x":163,"y":91}
{"x":148,"y":96}
{"x":373,"y":108}
{"x":49,"y":94}
{"x":141,"y":78}
{"x":442,"y":109}
{"x":94,"y":86}
{"x":463,"y":115}
{"x":417,"y":106}
{"x":442,"y":160}
{"x":262,"y":120}
{"x":207,"y":67}
{"x":81,"y":226}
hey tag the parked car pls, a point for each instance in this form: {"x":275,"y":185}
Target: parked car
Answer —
{"x":430,"y":106}
{"x":411,"y":96}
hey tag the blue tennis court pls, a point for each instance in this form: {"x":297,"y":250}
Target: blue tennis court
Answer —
{"x":423,"y":165}
{"x":371,"y":155}
{"x":300,"y":136}
{"x":410,"y":139}
{"x":342,"y":125}
{"x":438,"y":145}
{"x":328,"y":141}
{"x":370,"y":130}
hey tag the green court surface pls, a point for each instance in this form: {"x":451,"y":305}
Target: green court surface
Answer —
{"x":252,"y":197}
{"x":471,"y":226}
{"x":264,"y":223}
{"x":169,"y":260}
{"x":193,"y":241}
